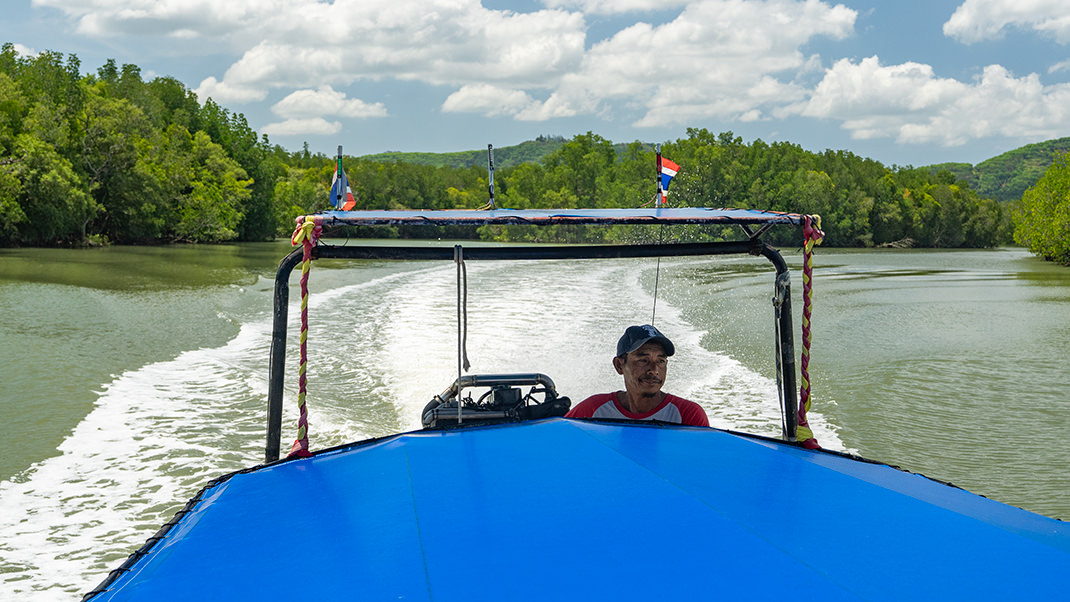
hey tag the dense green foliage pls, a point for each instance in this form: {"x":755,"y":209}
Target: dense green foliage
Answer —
{"x":1007,"y":176}
{"x":111,"y":157}
{"x":862,"y":202}
{"x":1042,"y":218}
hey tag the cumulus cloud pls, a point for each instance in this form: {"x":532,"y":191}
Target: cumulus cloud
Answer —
{"x":728,"y":59}
{"x":718,"y":58}
{"x":977,"y":20}
{"x":224,"y":93}
{"x":438,"y":42}
{"x":296,"y":127}
{"x":188,"y":18}
{"x":325,"y":101}
{"x":609,"y":7}
{"x":722,"y":58}
{"x":270,"y":64}
{"x":303,"y":43}
{"x":1060,"y":66}
{"x":488,"y":100}
{"x":909,"y":103}
{"x":725,"y":60}
{"x":24,"y":50}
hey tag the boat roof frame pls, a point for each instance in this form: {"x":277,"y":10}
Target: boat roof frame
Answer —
{"x":550,"y":217}
{"x":746,"y":219}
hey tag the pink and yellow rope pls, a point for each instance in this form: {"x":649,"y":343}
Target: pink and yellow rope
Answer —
{"x":812,"y":235}
{"x":306,"y":234}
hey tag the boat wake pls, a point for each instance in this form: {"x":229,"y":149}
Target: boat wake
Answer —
{"x":378,"y":352}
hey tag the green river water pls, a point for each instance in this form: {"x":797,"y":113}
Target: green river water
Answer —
{"x":952,"y":364}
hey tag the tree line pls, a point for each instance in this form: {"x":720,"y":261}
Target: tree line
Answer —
{"x":863,"y":203}
{"x":1042,"y":217}
{"x":109,"y":157}
{"x":112,"y":158}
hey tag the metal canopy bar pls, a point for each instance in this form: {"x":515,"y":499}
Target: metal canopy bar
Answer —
{"x":544,"y":217}
{"x":538,"y":252}
{"x":277,"y":368}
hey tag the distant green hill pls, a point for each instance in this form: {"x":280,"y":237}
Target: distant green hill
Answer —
{"x":531,"y":151}
{"x":1007,"y":176}
{"x":506,"y":156}
{"x":1003,"y":178}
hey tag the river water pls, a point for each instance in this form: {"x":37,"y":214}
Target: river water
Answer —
{"x":132,"y":376}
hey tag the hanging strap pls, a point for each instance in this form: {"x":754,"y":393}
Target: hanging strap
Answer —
{"x":812,"y":235}
{"x":307,"y":233}
{"x":462,"y":310}
{"x":462,"y":324}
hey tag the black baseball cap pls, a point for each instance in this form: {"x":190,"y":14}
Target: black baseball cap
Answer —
{"x":636,"y":336}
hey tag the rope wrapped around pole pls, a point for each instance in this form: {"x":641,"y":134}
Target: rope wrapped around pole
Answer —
{"x":306,"y":234}
{"x":812,"y":235}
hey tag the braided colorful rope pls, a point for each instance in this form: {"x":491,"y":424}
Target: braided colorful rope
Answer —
{"x":812,"y":235}
{"x":306,"y":234}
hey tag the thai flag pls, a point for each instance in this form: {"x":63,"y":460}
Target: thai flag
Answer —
{"x":668,"y":172}
{"x":341,"y":194}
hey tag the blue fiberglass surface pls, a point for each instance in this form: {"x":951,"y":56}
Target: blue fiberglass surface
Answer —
{"x":567,"y":509}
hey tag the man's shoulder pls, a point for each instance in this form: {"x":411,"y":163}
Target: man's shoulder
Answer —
{"x":680,"y":401}
{"x":587,"y":407}
{"x":691,"y":413}
{"x":600,"y":398}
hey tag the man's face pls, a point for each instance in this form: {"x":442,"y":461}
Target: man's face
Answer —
{"x":643,"y":369}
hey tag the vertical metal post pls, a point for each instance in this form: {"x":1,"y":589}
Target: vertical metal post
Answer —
{"x":789,"y":404}
{"x":277,"y":361}
{"x":458,"y":258}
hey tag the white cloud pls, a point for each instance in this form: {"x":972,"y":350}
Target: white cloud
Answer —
{"x":488,"y":100}
{"x":910,"y":104}
{"x":977,"y":20}
{"x":325,"y":101}
{"x":189,"y":18}
{"x":727,"y":60}
{"x":1061,"y":66}
{"x":224,"y":93}
{"x":316,"y":126}
{"x":718,"y":58}
{"x":304,"y":43}
{"x":271,"y":64}
{"x":869,"y":87}
{"x":609,"y":7}
{"x":25,"y":51}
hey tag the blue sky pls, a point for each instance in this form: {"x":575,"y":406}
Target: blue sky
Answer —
{"x":905,"y":82}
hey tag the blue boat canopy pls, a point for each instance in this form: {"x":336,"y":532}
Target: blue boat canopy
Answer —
{"x":565,"y":509}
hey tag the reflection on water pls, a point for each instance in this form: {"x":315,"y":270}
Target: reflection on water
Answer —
{"x":947,"y":363}
{"x":141,"y":268}
{"x":959,"y":357}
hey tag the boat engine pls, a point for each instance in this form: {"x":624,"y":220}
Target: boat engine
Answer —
{"x":502,"y":401}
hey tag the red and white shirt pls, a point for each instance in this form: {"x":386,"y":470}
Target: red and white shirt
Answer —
{"x":671,"y":409}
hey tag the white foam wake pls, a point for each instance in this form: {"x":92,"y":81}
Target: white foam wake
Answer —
{"x":378,"y":351}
